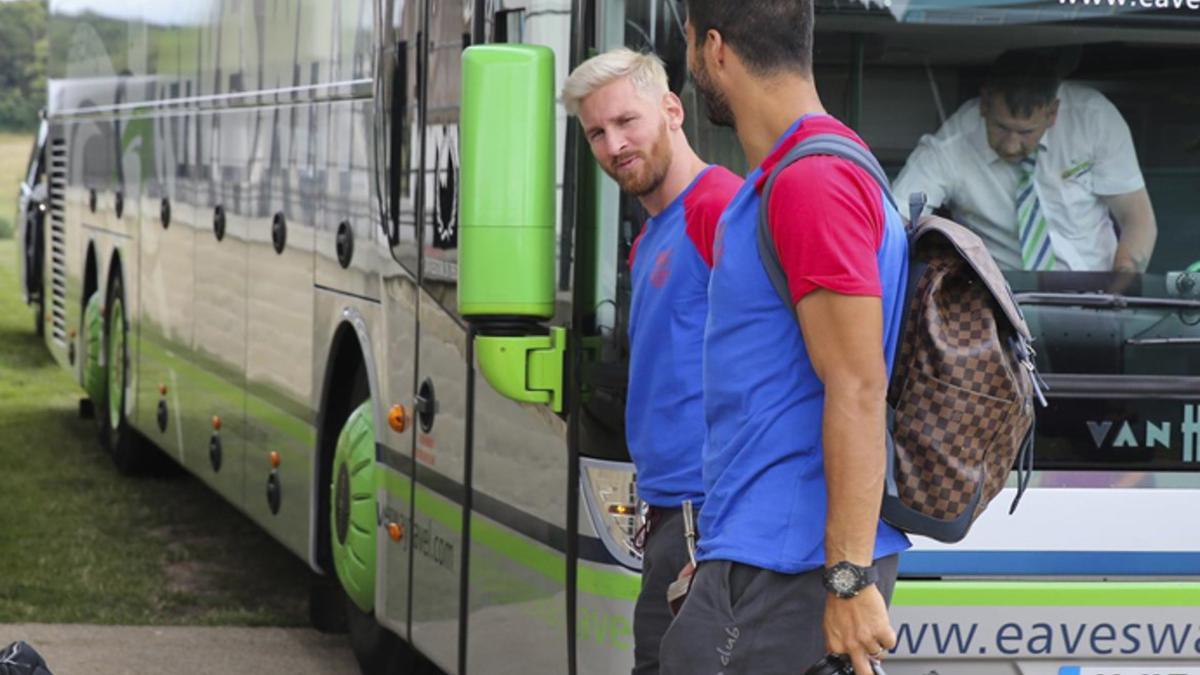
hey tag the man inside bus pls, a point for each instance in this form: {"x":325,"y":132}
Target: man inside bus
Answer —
{"x":634,"y":125}
{"x":794,"y":561}
{"x":1044,"y":171}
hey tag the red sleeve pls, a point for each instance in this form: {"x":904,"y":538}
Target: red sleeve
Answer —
{"x":703,"y":206}
{"x":826,"y":217}
{"x":633,"y":248}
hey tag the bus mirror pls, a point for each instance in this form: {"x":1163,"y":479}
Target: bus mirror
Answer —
{"x":526,"y":368}
{"x":506,"y":236}
{"x":506,"y":219}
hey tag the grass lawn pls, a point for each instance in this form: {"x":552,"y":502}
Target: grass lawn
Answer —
{"x":14,"y":159}
{"x":80,"y":543}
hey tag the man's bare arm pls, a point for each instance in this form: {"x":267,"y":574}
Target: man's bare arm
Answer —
{"x":1139,"y":230}
{"x":844,"y":338}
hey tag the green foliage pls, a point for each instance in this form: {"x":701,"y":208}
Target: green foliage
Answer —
{"x":14,"y":159}
{"x":23,"y":50}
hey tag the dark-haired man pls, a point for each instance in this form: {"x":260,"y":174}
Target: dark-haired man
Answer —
{"x":794,"y":560}
{"x":1039,"y":169}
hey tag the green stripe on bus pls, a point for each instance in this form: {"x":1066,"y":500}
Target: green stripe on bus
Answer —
{"x":258,"y":409}
{"x":620,"y":585}
{"x":535,"y":556}
{"x":1046,"y":594}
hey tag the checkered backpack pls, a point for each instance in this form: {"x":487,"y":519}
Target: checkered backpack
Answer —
{"x":960,"y":401}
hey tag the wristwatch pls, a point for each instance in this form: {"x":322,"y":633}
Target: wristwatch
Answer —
{"x":846,"y":579}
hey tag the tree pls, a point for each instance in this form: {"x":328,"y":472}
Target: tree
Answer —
{"x":23,"y":51}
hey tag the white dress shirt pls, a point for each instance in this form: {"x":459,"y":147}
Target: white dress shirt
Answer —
{"x":1088,"y":154}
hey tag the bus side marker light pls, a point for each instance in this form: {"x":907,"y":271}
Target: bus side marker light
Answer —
{"x":274,"y":459}
{"x":398,"y":418}
{"x":395,"y":531}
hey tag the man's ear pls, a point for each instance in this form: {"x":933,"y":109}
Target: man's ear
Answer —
{"x":715,"y":49}
{"x":673,"y":109}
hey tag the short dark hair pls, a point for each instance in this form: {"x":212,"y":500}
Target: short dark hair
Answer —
{"x":768,"y":35}
{"x":1027,"y":79}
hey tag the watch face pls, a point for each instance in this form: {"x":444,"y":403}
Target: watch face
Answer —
{"x":843,"y":579}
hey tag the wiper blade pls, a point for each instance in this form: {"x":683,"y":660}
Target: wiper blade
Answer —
{"x":1107,"y":300}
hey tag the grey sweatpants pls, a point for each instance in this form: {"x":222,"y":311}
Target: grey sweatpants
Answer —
{"x":664,"y":556}
{"x":744,"y":620}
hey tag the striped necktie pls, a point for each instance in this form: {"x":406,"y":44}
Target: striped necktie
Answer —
{"x":1032,"y":227}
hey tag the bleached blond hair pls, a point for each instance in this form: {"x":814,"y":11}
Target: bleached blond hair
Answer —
{"x":645,"y":72}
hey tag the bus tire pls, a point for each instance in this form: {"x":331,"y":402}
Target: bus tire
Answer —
{"x":116,"y":434}
{"x":353,"y":533}
{"x":93,"y":345}
{"x":326,"y":603}
{"x":34,"y":277}
{"x":378,"y":650}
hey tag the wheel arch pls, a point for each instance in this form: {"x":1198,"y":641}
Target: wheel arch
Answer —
{"x":91,"y":275}
{"x":350,"y":375}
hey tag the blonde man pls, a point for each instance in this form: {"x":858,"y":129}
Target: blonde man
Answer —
{"x":634,"y":125}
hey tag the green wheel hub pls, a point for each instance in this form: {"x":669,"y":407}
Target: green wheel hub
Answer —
{"x":93,"y":370}
{"x":353,"y":519}
{"x":116,"y":362}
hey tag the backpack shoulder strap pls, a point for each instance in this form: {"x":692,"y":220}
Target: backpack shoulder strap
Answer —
{"x":834,"y":145}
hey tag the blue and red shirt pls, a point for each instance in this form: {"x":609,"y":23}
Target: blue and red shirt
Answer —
{"x":764,"y":476}
{"x":664,"y":413}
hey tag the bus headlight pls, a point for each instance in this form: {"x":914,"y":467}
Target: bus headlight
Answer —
{"x":610,"y":491}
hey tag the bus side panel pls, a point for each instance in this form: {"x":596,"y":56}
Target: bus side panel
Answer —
{"x":166,"y":278}
{"x":218,"y":392}
{"x":280,"y":407}
{"x":1093,"y":634}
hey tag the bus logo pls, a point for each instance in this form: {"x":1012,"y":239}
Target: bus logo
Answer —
{"x":1150,"y":434}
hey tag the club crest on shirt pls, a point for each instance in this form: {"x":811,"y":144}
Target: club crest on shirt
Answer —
{"x":662,"y":269}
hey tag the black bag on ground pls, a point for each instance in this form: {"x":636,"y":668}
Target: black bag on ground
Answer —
{"x":960,"y":399}
{"x":20,"y":659}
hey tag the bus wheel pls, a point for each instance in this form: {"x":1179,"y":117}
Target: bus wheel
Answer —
{"x":93,"y":344}
{"x":353,"y":530}
{"x":116,"y":435}
{"x":34,"y":282}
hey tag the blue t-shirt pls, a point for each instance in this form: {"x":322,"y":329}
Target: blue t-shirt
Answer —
{"x":764,"y":464}
{"x":664,"y":413}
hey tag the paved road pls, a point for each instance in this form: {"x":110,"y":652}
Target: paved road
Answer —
{"x":81,"y":649}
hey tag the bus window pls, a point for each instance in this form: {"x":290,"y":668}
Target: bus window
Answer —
{"x":1119,"y":349}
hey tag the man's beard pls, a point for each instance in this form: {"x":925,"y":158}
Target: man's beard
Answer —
{"x":715,"y":102}
{"x":650,"y":174}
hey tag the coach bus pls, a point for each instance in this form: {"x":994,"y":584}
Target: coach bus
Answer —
{"x":250,"y":262}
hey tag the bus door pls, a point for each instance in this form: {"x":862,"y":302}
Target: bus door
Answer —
{"x":520,"y":477}
{"x":441,"y":395}
{"x":603,"y":296}
{"x":398,"y":140}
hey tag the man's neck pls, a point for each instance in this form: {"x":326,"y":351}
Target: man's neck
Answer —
{"x":767,"y":107}
{"x":684,"y":168}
